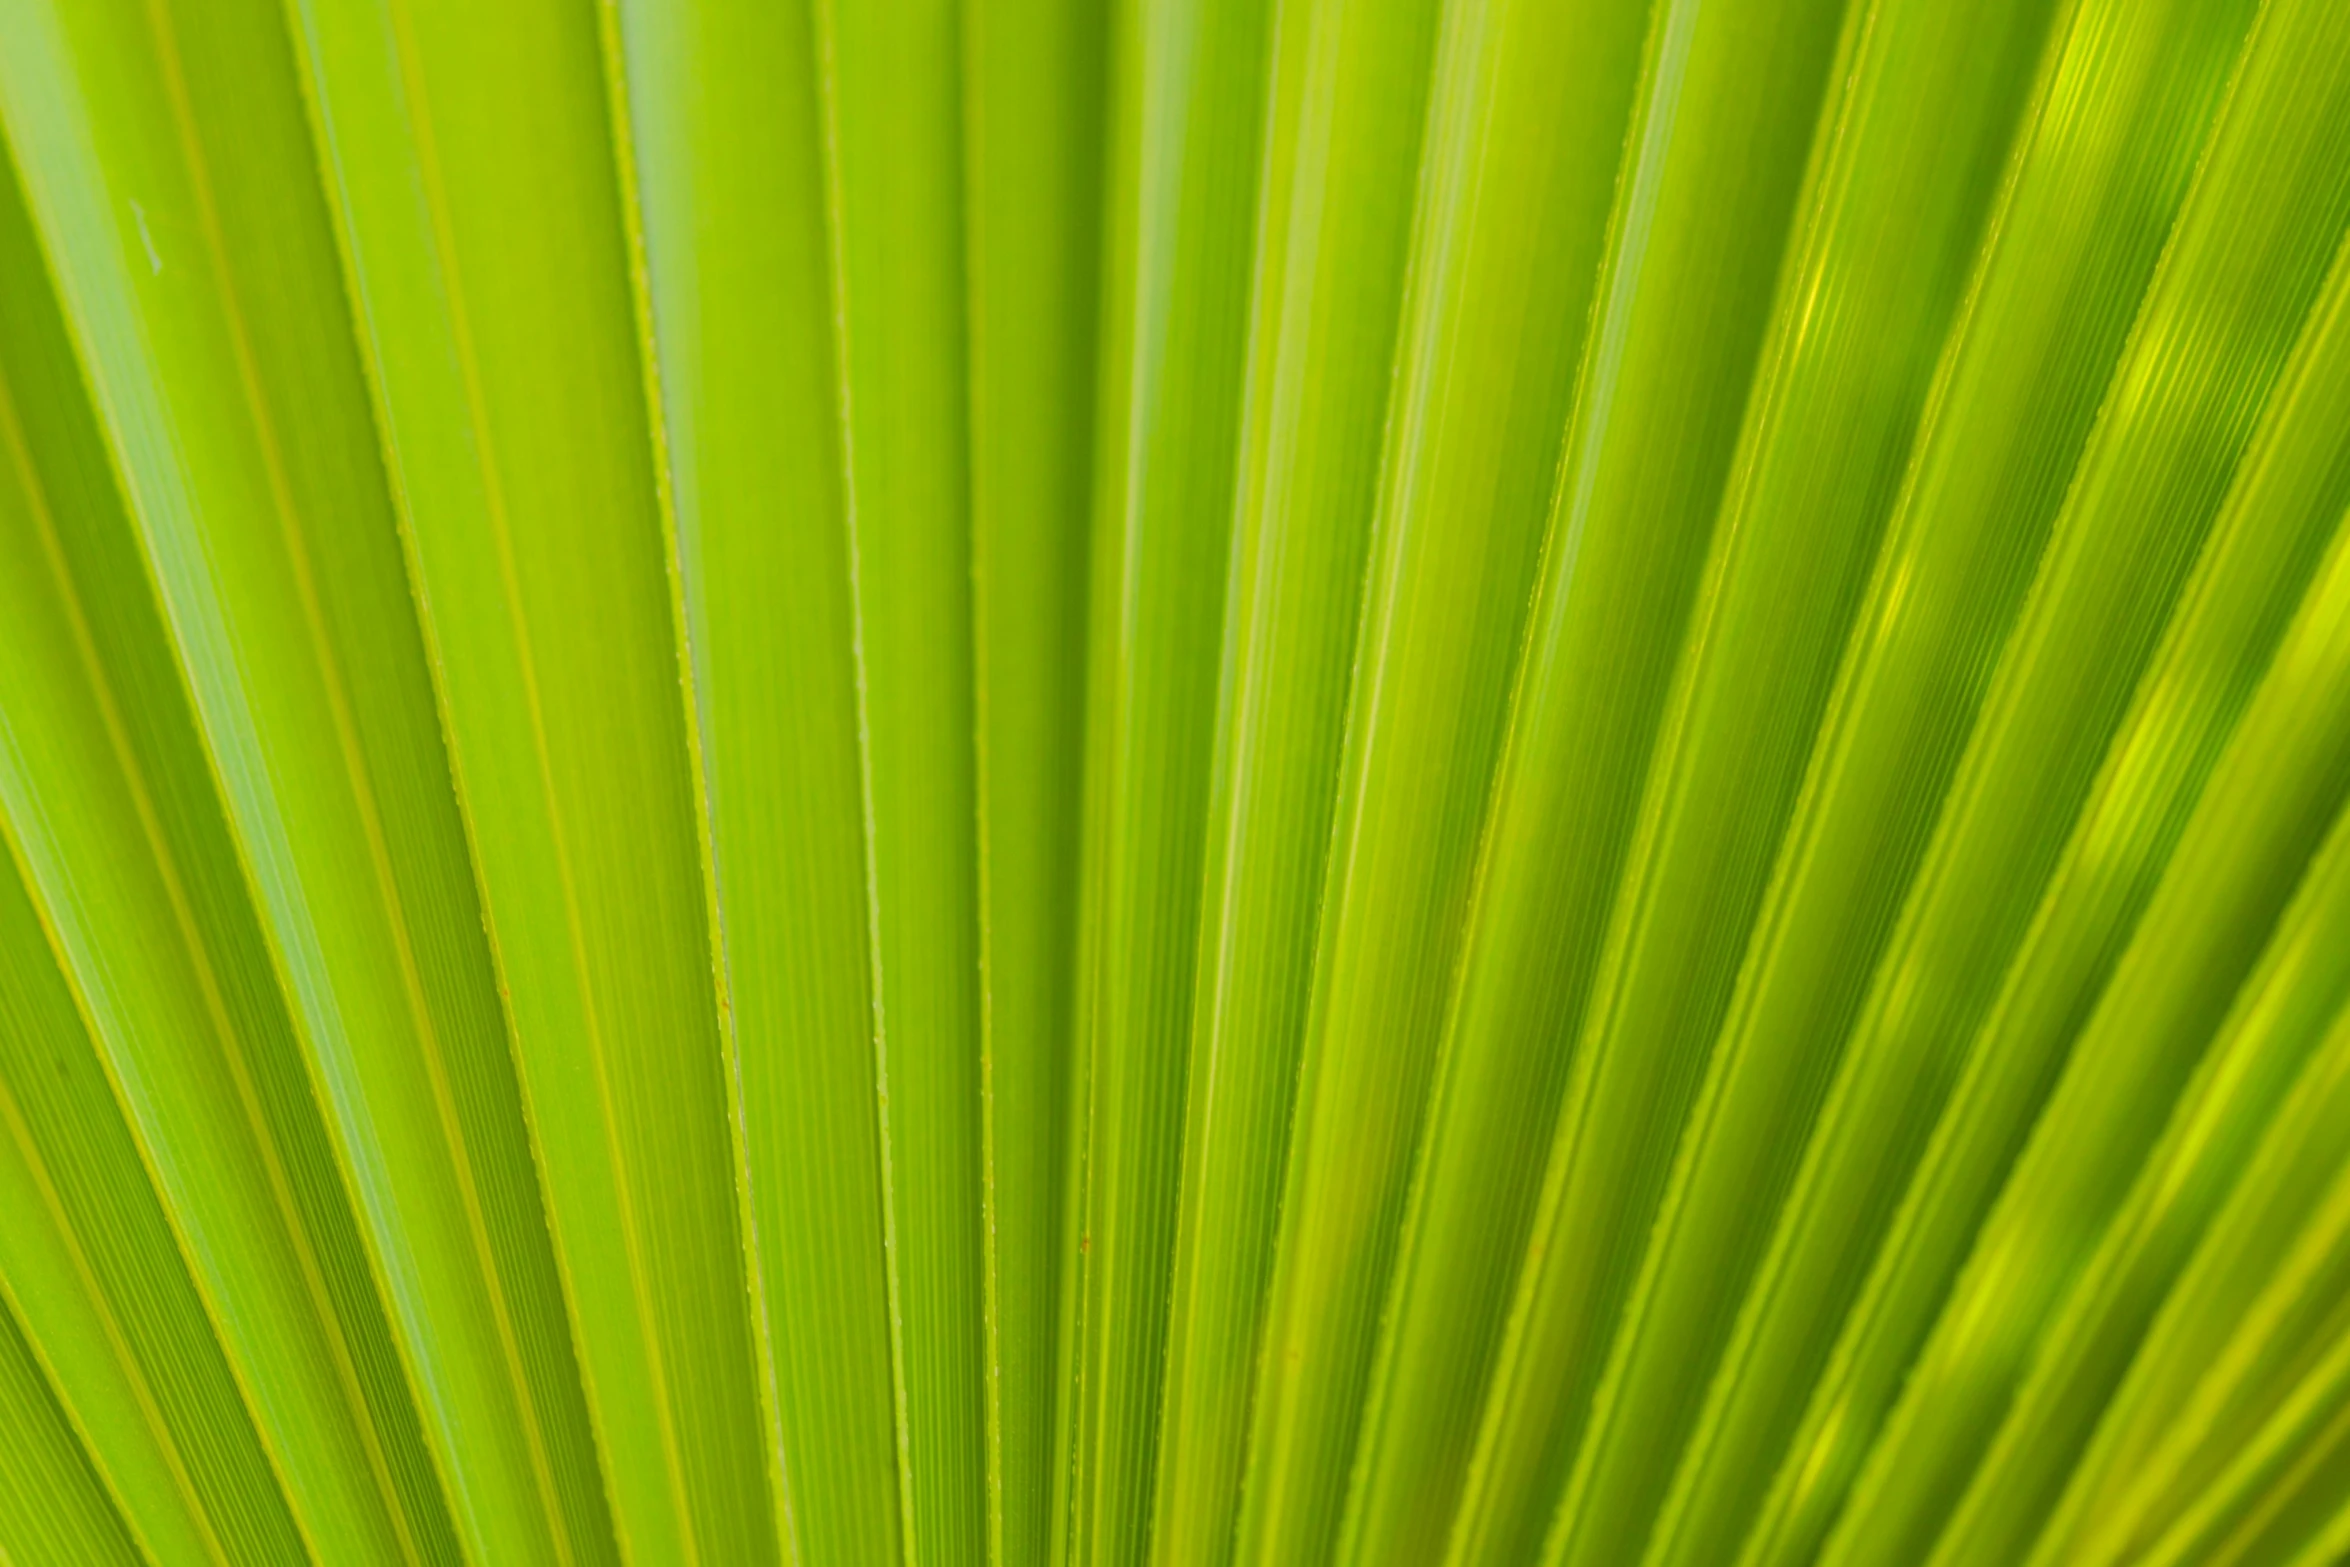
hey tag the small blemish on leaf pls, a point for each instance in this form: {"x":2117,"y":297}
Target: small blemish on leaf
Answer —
{"x":154,"y":261}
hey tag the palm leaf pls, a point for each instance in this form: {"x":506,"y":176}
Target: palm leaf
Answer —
{"x":1274,"y":781}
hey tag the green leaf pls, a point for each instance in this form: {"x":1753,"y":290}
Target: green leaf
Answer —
{"x":1032,"y":116}
{"x":55,"y":1507}
{"x":1175,"y":304}
{"x":2288,"y":500}
{"x":172,"y":909}
{"x":1847,"y":364}
{"x":1018,"y":781}
{"x":539,"y":551}
{"x":1332,"y":242}
{"x":1516,"y":173}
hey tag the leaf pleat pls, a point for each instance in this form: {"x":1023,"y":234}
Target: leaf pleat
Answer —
{"x":56,"y":1506}
{"x":753,"y":425}
{"x":1190,"y":108}
{"x":1033,"y":102}
{"x":539,"y":565}
{"x":2231,"y":626}
{"x":2077,"y":219}
{"x":1510,"y":220}
{"x":1341,"y":171}
{"x":152,"y":891}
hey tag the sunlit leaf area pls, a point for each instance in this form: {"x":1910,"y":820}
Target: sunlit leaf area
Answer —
{"x":1259,"y":783}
